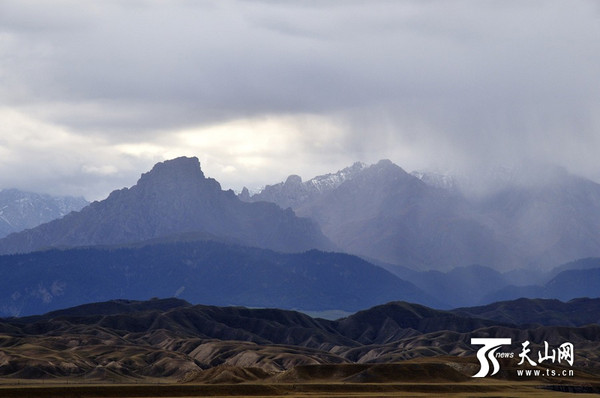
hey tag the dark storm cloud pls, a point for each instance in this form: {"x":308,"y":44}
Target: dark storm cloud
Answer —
{"x":449,"y":84}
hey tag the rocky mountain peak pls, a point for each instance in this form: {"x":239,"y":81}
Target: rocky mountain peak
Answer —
{"x":388,"y":166}
{"x":244,"y":195}
{"x":293,"y":180}
{"x":182,"y":174}
{"x":173,"y":198}
{"x":330,"y":181}
{"x":182,"y":168}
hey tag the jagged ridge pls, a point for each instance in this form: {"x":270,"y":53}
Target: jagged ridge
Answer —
{"x":173,"y":198}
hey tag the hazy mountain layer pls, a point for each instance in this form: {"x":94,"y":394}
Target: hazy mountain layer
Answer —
{"x":576,"y":312}
{"x":201,"y":272}
{"x":384,"y":213}
{"x":546,"y":222}
{"x":173,"y":198}
{"x":461,"y":286}
{"x":295,"y":193}
{"x":424,"y":221}
{"x":564,"y":286}
{"x":21,"y":210}
{"x":479,"y":285}
{"x":221,"y":273}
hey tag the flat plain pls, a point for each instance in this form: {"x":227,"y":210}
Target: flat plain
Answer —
{"x":422,"y":377}
{"x":490,"y":388}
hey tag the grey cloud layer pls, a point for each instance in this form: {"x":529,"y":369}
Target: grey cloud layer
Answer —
{"x":459,"y":82}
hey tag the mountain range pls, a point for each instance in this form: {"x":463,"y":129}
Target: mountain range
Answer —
{"x":428,"y":222}
{"x":478,"y":285}
{"x":223,"y":273}
{"x":585,"y":282}
{"x":416,"y":242}
{"x":124,"y":340}
{"x":177,"y":233}
{"x":20,"y":210}
{"x":209,"y":272}
{"x":380,"y":212}
{"x":174,"y":198}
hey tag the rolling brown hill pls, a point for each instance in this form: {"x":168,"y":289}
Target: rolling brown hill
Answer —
{"x":171,"y":339}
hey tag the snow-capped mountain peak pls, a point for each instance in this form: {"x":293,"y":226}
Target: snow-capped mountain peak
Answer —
{"x":20,"y":210}
{"x":437,"y":180}
{"x":294,"y":191}
{"x":331,"y":181}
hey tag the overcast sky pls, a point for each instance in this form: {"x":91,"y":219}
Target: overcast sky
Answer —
{"x":92,"y":94}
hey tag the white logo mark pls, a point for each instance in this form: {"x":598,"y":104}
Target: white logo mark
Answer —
{"x":490,"y":345}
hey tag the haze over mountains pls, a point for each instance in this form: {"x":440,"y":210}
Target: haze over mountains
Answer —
{"x":177,"y":233}
{"x":426,"y":222}
{"x":21,"y":210}
{"x":174,"y":198}
{"x":380,"y":212}
{"x":206,"y":272}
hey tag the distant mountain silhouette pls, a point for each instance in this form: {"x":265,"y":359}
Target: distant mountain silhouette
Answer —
{"x":20,"y":210}
{"x":382,"y":212}
{"x":523,"y":311}
{"x":566,"y":285}
{"x":461,"y":286}
{"x":295,"y":193}
{"x":207,"y":272}
{"x":582,"y":263}
{"x":426,"y":222}
{"x":173,"y":198}
{"x":546,"y":222}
